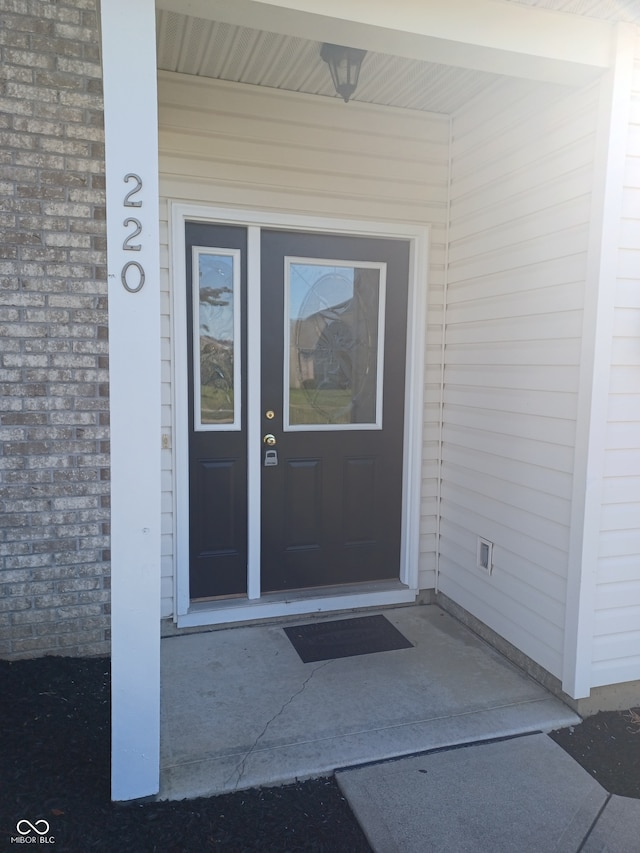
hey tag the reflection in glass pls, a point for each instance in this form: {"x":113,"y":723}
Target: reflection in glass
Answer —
{"x":333,"y":352}
{"x":214,"y":351}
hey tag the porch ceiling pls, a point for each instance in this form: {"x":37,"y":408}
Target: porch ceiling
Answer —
{"x":627,"y":11}
{"x":237,"y":53}
{"x":204,"y":48}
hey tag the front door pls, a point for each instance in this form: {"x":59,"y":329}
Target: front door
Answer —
{"x":333,"y":353}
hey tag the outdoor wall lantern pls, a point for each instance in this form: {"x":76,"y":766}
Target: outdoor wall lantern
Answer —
{"x":344,"y":64}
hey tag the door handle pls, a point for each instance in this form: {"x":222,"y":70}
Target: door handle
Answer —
{"x":269,"y":439}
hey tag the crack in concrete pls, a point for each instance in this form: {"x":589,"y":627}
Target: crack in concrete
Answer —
{"x":241,"y":766}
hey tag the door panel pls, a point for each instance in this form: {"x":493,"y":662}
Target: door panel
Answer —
{"x":216,"y":340}
{"x":334,"y":375}
{"x":302,"y":503}
{"x":215,"y":498}
{"x":359,"y":505}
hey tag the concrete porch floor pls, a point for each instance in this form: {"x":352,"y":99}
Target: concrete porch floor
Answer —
{"x":240,"y":709}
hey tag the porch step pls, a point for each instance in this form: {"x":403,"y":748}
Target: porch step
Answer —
{"x":240,"y":709}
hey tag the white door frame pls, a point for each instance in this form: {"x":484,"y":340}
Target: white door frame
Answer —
{"x":281,"y":604}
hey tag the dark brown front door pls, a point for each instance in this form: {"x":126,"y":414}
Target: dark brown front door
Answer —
{"x":333,"y":353}
{"x":333,"y":356}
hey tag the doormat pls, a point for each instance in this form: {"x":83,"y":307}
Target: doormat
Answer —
{"x":344,"y":638}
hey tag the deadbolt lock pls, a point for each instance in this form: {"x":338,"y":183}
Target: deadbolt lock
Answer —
{"x":270,"y":415}
{"x":269,"y":439}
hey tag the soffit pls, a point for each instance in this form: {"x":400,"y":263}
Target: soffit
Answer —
{"x":203,"y":48}
{"x":627,"y":11}
{"x":225,"y":51}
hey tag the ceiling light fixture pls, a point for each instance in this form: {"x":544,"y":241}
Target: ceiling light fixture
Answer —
{"x":344,"y":64}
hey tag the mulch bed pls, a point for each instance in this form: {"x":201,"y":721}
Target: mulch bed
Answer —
{"x":55,"y":764}
{"x":607,"y":745}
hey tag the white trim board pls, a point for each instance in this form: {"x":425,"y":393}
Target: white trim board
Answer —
{"x":131,"y":145}
{"x":253,"y":607}
{"x":595,"y":361}
{"x":275,"y":607}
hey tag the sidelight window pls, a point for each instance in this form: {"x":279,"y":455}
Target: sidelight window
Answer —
{"x":216,"y":338}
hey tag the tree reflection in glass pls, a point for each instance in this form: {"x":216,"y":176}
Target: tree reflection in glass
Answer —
{"x":333,"y":352}
{"x":216,"y":338}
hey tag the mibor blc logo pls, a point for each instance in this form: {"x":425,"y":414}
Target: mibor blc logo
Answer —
{"x":33,"y":833}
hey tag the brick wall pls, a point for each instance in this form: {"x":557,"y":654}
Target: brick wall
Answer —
{"x":54,"y":453}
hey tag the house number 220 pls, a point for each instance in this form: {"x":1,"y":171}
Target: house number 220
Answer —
{"x":132,"y":269}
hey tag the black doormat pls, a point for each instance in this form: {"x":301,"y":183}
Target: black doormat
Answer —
{"x":344,"y":638}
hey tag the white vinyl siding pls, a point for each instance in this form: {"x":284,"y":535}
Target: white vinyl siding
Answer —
{"x":616,"y":649}
{"x":522,"y":173}
{"x":257,"y":148}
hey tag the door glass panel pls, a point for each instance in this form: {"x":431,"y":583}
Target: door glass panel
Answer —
{"x":216,"y":338}
{"x":333,"y":344}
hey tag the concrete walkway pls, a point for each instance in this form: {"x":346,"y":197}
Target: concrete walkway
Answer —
{"x":523,"y":795}
{"x":240,"y":709}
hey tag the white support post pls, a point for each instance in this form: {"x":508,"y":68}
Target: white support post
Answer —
{"x":131,"y":138}
{"x":595,"y":365}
